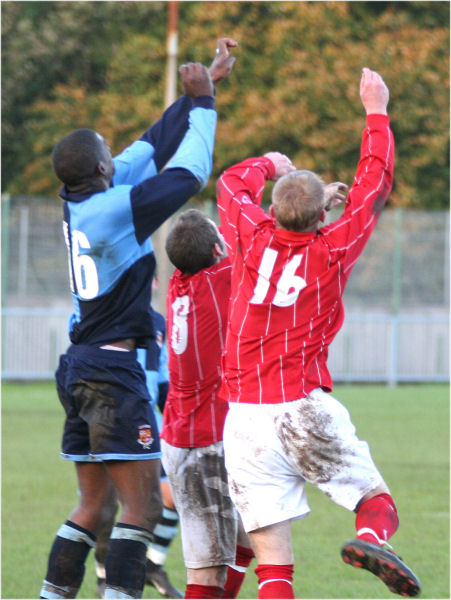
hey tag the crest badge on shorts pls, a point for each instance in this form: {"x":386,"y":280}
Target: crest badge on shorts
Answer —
{"x":145,"y":437}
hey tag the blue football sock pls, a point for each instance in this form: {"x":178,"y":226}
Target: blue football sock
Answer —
{"x":125,"y":563}
{"x":66,"y":564}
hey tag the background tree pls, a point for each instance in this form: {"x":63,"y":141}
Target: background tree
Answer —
{"x":49,"y":45}
{"x":294,"y":87}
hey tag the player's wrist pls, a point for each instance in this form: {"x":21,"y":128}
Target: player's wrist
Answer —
{"x":270,"y":167}
{"x":203,"y":101}
{"x":376,"y":110}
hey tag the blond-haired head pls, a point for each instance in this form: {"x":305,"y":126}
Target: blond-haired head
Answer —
{"x":298,"y":200}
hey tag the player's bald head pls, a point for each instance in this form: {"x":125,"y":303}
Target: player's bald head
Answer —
{"x":298,"y":199}
{"x":76,"y":157}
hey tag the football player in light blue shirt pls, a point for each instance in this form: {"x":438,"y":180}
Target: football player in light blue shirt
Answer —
{"x":111,"y":207}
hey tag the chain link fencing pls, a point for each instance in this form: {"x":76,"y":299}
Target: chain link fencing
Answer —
{"x":397,"y":298}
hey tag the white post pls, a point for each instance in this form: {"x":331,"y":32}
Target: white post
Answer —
{"x":164,"y":269}
{"x":172,"y":50}
{"x":396,"y":300}
{"x":23,"y":251}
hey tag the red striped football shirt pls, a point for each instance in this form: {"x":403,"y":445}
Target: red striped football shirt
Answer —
{"x":197,"y":306}
{"x":286,"y":301}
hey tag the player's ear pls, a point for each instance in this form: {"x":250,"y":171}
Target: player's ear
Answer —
{"x":102,"y":168}
{"x":217,"y":250}
{"x":271,"y":210}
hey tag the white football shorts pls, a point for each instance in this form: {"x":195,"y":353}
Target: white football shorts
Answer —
{"x":271,"y":450}
{"x":208,"y":518}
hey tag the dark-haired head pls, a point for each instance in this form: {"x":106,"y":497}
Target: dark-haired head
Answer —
{"x":194,"y":242}
{"x":83,"y":158}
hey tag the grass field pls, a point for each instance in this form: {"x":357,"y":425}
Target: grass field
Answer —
{"x":408,"y":431}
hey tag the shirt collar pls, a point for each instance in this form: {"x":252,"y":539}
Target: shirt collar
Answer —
{"x":73,"y":196}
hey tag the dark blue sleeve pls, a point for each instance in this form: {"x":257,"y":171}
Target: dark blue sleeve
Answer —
{"x":157,"y":198}
{"x":167,"y":133}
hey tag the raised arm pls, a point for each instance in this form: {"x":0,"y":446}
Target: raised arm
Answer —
{"x":155,"y":199}
{"x":148,"y":155}
{"x":158,"y":144}
{"x":374,"y":176}
{"x":239,"y":192}
{"x":168,"y":132}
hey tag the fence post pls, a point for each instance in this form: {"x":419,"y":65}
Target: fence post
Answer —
{"x":446,"y":262}
{"x":396,"y":299}
{"x":6,"y":209}
{"x":23,"y":250}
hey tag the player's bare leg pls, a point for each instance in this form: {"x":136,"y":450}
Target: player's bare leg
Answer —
{"x":66,"y":564}
{"x":93,"y":489}
{"x":273,"y":549}
{"x":107,"y":517}
{"x":376,"y":522}
{"x":137,"y":484}
{"x":382,"y":488}
{"x":272,"y":544}
{"x":207,"y":582}
{"x":164,"y":533}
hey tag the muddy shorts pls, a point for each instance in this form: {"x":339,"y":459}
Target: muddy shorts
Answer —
{"x":271,"y":450}
{"x":208,"y":519}
{"x":108,"y":415}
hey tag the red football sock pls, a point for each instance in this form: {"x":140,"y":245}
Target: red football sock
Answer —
{"x":275,"y":581}
{"x":377,"y":519}
{"x":203,"y":591}
{"x":236,"y":574}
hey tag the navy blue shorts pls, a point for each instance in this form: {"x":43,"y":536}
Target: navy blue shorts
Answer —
{"x":107,"y":404}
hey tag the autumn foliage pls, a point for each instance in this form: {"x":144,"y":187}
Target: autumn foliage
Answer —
{"x":294,"y":87}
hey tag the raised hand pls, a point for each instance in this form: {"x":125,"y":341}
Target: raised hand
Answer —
{"x":223,"y":61}
{"x":335,"y":193}
{"x":373,"y":92}
{"x":196,"y":80}
{"x":282,"y":164}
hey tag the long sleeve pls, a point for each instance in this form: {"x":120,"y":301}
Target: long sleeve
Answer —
{"x":167,"y":133}
{"x":369,"y":193}
{"x":158,"y":197}
{"x":148,"y":155}
{"x":239,"y":194}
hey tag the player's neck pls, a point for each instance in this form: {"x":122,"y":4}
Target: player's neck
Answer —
{"x":92,"y":186}
{"x":312,"y":229}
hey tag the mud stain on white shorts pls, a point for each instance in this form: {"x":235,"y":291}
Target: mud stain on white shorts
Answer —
{"x":311,"y":439}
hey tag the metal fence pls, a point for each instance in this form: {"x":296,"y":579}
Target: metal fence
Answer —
{"x":397,"y":298}
{"x":370,"y":346}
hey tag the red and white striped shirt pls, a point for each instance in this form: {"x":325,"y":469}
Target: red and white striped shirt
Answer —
{"x":286,"y":304}
{"x":197,"y":306}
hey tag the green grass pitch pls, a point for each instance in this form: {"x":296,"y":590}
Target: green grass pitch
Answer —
{"x":407,"y":428}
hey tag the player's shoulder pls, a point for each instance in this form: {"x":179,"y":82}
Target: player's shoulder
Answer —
{"x":222,"y":266}
{"x":220,"y":271}
{"x":113,"y":196}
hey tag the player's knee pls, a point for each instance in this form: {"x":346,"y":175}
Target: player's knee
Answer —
{"x":380,"y":489}
{"x":215,"y":576}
